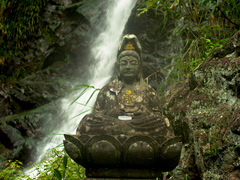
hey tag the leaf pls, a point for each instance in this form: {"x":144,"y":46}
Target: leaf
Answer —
{"x":186,"y":177}
{"x":81,"y":113}
{"x":84,"y":105}
{"x":65,"y":159}
{"x":91,"y":95}
{"x":80,"y":95}
{"x":58,"y":174}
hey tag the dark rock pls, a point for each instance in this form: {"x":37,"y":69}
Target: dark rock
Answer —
{"x":207,"y":106}
{"x":236,"y":126}
{"x":21,"y":133}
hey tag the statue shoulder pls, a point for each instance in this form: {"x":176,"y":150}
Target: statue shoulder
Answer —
{"x":115,"y":86}
{"x":111,"y":86}
{"x":148,"y":88}
{"x":152,"y":94}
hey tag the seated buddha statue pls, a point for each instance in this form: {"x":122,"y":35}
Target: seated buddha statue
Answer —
{"x":127,"y":95}
{"x":141,"y":146}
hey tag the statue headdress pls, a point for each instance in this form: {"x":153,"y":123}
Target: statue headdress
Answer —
{"x":130,"y":44}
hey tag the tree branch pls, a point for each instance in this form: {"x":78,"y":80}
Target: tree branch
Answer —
{"x":236,"y":25}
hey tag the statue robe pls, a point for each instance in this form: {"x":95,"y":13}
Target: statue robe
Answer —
{"x":141,"y":103}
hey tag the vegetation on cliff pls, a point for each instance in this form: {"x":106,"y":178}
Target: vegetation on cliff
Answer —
{"x":204,"y":25}
{"x":20,"y":21}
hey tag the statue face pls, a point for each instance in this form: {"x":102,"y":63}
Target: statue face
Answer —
{"x":129,"y":67}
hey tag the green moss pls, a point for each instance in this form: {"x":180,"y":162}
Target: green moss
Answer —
{"x":20,"y":21}
{"x":48,"y":34}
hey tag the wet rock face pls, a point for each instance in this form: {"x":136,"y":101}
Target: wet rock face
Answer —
{"x":205,"y":110}
{"x":56,"y":61}
{"x":20,"y":133}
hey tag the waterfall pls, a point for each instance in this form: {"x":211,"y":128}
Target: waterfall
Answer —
{"x":104,"y":52}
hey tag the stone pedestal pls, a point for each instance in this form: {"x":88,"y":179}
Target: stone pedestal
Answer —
{"x":125,"y":173}
{"x":114,"y":179}
{"x":124,"y":157}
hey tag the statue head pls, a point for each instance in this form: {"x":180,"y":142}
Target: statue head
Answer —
{"x":129,"y":53}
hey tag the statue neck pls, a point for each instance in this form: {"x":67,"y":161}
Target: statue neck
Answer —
{"x":129,"y":82}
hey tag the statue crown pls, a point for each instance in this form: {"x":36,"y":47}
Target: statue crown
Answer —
{"x":129,"y":46}
{"x":130,"y":42}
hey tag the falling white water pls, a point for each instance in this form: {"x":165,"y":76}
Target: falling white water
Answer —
{"x":104,"y":51}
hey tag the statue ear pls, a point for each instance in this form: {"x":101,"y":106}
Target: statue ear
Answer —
{"x":117,"y":70}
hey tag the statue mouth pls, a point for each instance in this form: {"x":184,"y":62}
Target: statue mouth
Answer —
{"x":128,"y":72}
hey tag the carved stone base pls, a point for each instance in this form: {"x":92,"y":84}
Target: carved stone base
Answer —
{"x":124,"y":157}
{"x":114,"y":179}
{"x":124,"y":173}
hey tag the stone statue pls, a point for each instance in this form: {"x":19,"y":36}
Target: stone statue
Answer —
{"x":141,"y":146}
{"x":127,"y":95}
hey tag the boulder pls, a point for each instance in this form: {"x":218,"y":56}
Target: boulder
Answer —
{"x":204,"y":110}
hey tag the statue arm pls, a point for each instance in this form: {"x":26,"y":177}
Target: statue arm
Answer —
{"x":99,"y":106}
{"x":154,"y":101}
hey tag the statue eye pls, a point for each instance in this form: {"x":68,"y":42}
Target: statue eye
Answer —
{"x":134,"y":62}
{"x":123,"y":62}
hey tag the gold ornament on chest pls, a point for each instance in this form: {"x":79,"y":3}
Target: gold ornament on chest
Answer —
{"x":128,"y":96}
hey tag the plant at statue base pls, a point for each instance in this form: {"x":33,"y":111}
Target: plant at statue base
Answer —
{"x":56,"y":165}
{"x":12,"y":170}
{"x":59,"y":165}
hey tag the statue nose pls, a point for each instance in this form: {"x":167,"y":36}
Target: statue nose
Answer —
{"x":128,"y":66}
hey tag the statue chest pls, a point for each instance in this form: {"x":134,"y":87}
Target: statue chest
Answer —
{"x":130,"y":100}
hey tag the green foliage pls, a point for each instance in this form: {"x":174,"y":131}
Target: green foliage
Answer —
{"x":67,"y":59}
{"x":12,"y":170}
{"x":56,"y":165}
{"x":203,"y":25}
{"x":186,"y":177}
{"x":193,"y":57}
{"x":20,"y":21}
{"x":48,"y":33}
{"x":19,"y":73}
{"x":84,"y":88}
{"x":213,"y":151}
